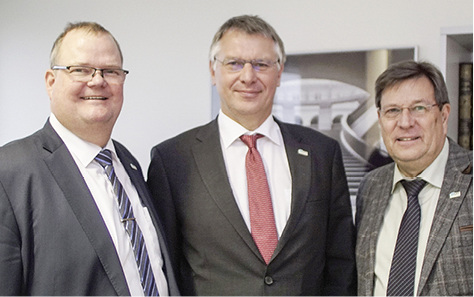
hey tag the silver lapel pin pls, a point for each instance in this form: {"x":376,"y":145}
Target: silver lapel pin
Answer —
{"x":302,"y":152}
{"x":454,"y":194}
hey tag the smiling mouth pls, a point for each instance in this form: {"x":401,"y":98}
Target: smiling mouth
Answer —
{"x":94,"y":98}
{"x":247,"y":93}
{"x":407,"y":138}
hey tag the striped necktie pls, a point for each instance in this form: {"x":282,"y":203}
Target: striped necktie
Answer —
{"x":401,"y":281}
{"x":262,"y":219}
{"x":104,"y":158}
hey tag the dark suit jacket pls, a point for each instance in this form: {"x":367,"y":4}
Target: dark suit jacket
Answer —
{"x":211,"y":244}
{"x":447,"y":266}
{"x":53,"y":240}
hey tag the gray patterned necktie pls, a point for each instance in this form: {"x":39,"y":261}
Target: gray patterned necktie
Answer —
{"x":104,"y":158}
{"x":401,"y":281}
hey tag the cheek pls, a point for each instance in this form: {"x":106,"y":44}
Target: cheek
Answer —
{"x":221,"y":78}
{"x":68,"y":91}
{"x":117,"y":90}
{"x":271,"y":82}
{"x":386,"y":128}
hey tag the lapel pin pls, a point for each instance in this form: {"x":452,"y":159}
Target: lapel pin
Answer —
{"x":302,"y":152}
{"x":133,"y":166}
{"x":454,"y":194}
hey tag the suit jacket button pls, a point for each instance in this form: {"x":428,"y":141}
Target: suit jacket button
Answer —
{"x":268,"y":280}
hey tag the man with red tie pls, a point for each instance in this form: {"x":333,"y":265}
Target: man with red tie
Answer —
{"x":254,"y":206}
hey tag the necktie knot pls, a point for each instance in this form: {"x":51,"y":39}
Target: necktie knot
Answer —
{"x":414,"y":187}
{"x":104,"y":158}
{"x":251,"y":140}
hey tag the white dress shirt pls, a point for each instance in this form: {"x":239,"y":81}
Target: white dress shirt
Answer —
{"x":102,"y":191}
{"x":428,"y":199}
{"x":273,"y":153}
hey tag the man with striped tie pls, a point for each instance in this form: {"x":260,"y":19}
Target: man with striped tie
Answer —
{"x":75,"y":215}
{"x":414,"y":217}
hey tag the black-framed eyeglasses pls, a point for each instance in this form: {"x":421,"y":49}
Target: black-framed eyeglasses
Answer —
{"x":86,"y":73}
{"x":236,"y":65}
{"x":416,"y":110}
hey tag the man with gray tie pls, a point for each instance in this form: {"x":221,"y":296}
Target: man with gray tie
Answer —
{"x":414,"y":216}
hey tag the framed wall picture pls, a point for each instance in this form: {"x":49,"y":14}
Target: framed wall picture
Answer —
{"x":333,"y":92}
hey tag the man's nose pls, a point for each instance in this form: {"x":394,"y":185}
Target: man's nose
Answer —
{"x":248,"y":74}
{"x":406,"y":119}
{"x":97,"y":78}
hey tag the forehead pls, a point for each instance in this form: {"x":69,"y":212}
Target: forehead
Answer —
{"x":239,"y":44}
{"x":414,"y":90}
{"x":82,"y":46}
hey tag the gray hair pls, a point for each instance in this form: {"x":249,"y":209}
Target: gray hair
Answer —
{"x":250,"y":25}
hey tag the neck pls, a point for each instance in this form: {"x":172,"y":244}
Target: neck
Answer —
{"x":98,"y":136}
{"x":250,"y":122}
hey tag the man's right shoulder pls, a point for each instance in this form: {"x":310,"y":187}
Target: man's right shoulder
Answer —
{"x":377,"y":175}
{"x":188,"y":137}
{"x":19,"y":148}
{"x":20,"y":159}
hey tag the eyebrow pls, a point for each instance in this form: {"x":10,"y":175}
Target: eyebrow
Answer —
{"x":423,"y":100}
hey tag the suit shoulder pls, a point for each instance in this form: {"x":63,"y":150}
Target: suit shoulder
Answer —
{"x":380,"y":172}
{"x":121,"y":149}
{"x":123,"y":152}
{"x":377,"y":175}
{"x":20,"y":149}
{"x":307,"y":133}
{"x":185,"y":138}
{"x":460,"y":157}
{"x":21,"y":159}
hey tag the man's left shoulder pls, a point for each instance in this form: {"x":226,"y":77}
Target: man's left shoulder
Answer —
{"x":460,"y":159}
{"x":305,"y":133}
{"x":124,"y":153}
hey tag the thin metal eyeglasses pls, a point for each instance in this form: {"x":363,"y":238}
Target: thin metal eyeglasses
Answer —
{"x":86,"y":73}
{"x":416,"y":110}
{"x":236,"y":65}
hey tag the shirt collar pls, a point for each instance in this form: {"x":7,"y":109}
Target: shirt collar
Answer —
{"x":432,"y":173}
{"x":84,"y":151}
{"x":230,"y":130}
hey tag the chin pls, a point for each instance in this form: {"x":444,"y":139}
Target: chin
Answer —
{"x":409,"y":159}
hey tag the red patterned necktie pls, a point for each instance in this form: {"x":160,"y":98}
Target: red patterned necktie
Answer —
{"x":262,"y":220}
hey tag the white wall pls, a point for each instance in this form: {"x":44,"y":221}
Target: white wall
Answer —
{"x":165,"y":44}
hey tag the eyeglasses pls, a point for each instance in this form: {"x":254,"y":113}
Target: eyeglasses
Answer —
{"x":417,"y":110}
{"x":236,"y":65}
{"x":86,"y":73}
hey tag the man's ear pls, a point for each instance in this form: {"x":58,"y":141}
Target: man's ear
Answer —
{"x":50,"y":79}
{"x":279,"y":73}
{"x":213,"y":73}
{"x":445,"y":110}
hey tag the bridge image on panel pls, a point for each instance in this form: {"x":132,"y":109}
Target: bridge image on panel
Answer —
{"x":341,"y":111}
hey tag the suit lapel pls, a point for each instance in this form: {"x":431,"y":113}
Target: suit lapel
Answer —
{"x":210,"y":163}
{"x":69,"y":179}
{"x":382,"y":189}
{"x":447,"y":209}
{"x":300,"y":160}
{"x":134,"y":171}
